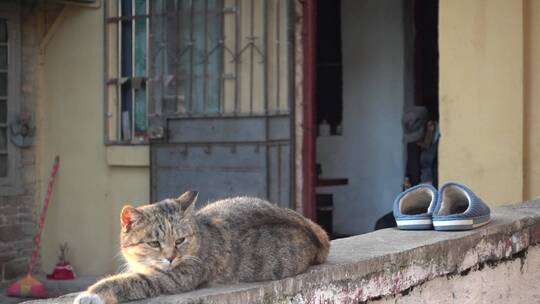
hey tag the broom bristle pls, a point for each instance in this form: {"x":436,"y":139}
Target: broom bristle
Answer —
{"x":27,"y":287}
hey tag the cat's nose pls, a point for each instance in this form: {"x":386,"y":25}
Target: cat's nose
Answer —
{"x":171,"y":258}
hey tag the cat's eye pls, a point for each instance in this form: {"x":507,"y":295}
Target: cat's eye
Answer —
{"x":154,"y":244}
{"x":179,"y":241}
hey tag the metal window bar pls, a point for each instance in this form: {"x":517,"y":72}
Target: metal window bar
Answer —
{"x":5,"y":157}
{"x":132,"y":95}
{"x":251,"y":55}
{"x":132,"y":105}
{"x":191,"y":54}
{"x":205,"y":66}
{"x":119,"y":75}
{"x":178,"y":97}
{"x":221,"y":87}
{"x":277,"y":53}
{"x":192,"y":73}
{"x":238,"y":85}
{"x":225,"y":49}
{"x":147,"y":92}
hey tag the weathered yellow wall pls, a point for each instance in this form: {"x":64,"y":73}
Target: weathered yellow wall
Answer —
{"x":532,"y":99}
{"x":89,"y":191}
{"x":481,"y":96}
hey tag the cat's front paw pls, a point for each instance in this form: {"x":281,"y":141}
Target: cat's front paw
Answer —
{"x":88,"y":298}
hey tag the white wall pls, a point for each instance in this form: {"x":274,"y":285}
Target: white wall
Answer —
{"x":370,"y":151}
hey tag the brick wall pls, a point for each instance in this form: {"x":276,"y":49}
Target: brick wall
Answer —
{"x":19,"y":213}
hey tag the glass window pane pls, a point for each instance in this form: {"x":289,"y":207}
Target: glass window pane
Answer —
{"x":140,"y":113}
{"x":126,"y":49}
{"x":126,"y":110}
{"x":158,"y":63}
{"x":197,"y":77}
{"x":126,"y":8}
{"x":3,"y":84}
{"x":3,"y":165}
{"x":3,"y":56}
{"x":140,"y":7}
{"x":3,"y":30}
{"x":178,"y":67}
{"x":126,"y":44}
{"x":3,"y":111}
{"x":215,"y":55}
{"x":3,"y":139}
{"x":140,"y":47}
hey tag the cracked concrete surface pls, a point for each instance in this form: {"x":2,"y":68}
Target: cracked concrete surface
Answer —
{"x":407,"y":267}
{"x":512,"y":281}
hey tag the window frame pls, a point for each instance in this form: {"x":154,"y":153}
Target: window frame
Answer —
{"x":10,"y":11}
{"x":109,"y":80}
{"x":276,"y":40}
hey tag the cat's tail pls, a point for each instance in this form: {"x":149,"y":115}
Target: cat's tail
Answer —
{"x":322,"y":243}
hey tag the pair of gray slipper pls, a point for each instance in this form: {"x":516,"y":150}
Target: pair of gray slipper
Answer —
{"x":453,"y":207}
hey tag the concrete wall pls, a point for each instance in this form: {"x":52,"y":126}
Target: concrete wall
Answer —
{"x":481,"y":97}
{"x":370,"y":151}
{"x":514,"y":281}
{"x":497,"y":263}
{"x":90,"y":188}
{"x":531,"y":108}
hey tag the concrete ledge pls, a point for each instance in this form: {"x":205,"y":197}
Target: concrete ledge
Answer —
{"x":385,"y":263}
{"x":128,"y":156}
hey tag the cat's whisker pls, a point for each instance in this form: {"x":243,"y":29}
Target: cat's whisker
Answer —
{"x":123,"y":267}
{"x":192,"y":258}
{"x":123,"y":263}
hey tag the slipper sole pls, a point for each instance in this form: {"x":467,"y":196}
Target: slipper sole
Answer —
{"x":415,"y":224}
{"x":460,"y":224}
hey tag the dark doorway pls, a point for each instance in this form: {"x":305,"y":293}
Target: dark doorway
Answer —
{"x":329,"y":93}
{"x":426,"y":56}
{"x":375,"y":59}
{"x":421,"y":163}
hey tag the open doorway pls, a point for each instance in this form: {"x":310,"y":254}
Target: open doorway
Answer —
{"x":377,"y":108}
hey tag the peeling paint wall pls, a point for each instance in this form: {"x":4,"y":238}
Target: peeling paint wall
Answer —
{"x":514,"y":281}
{"x":504,"y":267}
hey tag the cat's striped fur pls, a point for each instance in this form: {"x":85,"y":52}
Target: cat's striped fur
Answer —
{"x":241,"y":239}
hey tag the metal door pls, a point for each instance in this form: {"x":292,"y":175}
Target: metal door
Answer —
{"x":219,"y":111}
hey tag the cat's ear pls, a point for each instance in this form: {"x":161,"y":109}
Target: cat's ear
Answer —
{"x":187,"y":201}
{"x":128,"y":216}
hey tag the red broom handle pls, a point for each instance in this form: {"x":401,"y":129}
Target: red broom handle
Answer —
{"x":37,"y":238}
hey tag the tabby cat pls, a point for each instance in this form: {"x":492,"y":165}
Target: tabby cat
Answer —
{"x":171,"y":248}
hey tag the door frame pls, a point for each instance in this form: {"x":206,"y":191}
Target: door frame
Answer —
{"x":309,"y":34}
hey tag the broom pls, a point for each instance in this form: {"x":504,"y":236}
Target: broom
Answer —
{"x":28,"y":286}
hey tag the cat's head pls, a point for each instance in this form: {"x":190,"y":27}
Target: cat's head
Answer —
{"x":159,"y":235}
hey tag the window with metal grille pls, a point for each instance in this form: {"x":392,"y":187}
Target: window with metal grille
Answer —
{"x":194,"y":57}
{"x":126,"y":37}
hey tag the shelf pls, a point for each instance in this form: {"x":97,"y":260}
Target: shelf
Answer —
{"x":330,"y":182}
